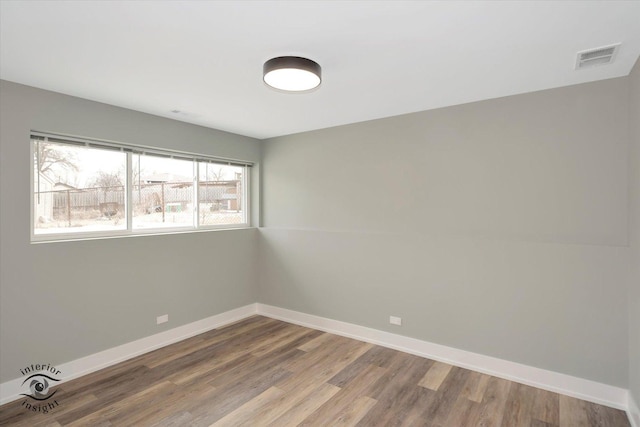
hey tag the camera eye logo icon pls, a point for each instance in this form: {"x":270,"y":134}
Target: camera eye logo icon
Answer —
{"x":39,"y":386}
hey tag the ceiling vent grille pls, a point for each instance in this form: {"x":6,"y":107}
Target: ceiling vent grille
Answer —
{"x":598,"y":56}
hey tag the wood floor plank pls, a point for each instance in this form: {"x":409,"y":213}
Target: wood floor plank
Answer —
{"x":519,"y":408}
{"x":603,"y":416}
{"x":109,"y":391}
{"x":150,"y":410}
{"x":251,"y":366}
{"x":435,"y":376}
{"x":228,"y":339}
{"x":19,"y":416}
{"x":379,"y":356}
{"x":178,"y":419}
{"x":573,"y":412}
{"x":323,"y":365}
{"x":258,"y":338}
{"x":397,"y":389}
{"x":317,"y":342}
{"x":538,"y":423}
{"x":296,"y":336}
{"x":475,"y":386}
{"x":236,"y":395}
{"x":146,"y":399}
{"x":266,"y":414}
{"x":16,"y":414}
{"x":243,"y":413}
{"x":351,"y":414}
{"x":349,"y":373}
{"x":70,"y":404}
{"x":161,"y":356}
{"x":334,"y":345}
{"x":303,"y":386}
{"x":113,"y":377}
{"x":261,"y":371}
{"x":198,"y":372}
{"x":346,"y":396}
{"x":444,"y":401}
{"x":376,"y":355}
{"x":297,"y":414}
{"x":282,"y":341}
{"x":406,"y":408}
{"x":546,"y":407}
{"x":182,"y":402}
{"x":491,"y":410}
{"x":236,"y":343}
{"x":46,"y":423}
{"x":461,"y":411}
{"x":401,"y":368}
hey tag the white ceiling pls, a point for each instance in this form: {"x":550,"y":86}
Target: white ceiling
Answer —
{"x":379,"y":58}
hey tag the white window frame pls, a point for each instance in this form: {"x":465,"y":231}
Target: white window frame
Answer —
{"x":130,"y":150}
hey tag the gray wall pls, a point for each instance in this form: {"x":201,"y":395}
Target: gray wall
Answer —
{"x":62,"y":301}
{"x":499,"y":227}
{"x":634,"y":284}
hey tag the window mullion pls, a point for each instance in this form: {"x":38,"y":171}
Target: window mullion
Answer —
{"x":196,"y":201}
{"x":246,"y":207}
{"x":129,"y":192}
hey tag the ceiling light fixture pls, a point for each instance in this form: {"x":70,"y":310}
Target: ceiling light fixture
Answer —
{"x":292,"y":73}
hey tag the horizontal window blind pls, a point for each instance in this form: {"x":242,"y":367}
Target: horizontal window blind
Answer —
{"x":128,"y":148}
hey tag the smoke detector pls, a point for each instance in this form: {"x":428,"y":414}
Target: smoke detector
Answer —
{"x":598,"y":56}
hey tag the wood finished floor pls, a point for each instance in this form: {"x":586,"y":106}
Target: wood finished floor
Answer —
{"x":264,"y":372}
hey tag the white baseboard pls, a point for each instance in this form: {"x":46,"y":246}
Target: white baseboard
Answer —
{"x":633,"y":411}
{"x":548,"y":380}
{"x":11,"y":390}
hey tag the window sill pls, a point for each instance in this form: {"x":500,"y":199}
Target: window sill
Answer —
{"x":147,"y":233}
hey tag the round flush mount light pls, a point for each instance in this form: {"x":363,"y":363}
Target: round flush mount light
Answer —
{"x":292,"y":73}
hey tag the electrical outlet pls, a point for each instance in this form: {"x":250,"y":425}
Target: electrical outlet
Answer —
{"x":395,"y":320}
{"x":162,"y":319}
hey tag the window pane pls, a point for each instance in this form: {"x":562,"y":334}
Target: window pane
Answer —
{"x":220,"y":194}
{"x":162,"y":192}
{"x":77,"y":189}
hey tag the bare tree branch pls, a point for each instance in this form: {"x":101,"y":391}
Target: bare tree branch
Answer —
{"x":48,"y":158}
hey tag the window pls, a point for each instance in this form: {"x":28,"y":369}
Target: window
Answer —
{"x":93,"y":189}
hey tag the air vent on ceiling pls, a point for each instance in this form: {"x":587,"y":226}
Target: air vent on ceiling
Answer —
{"x":598,"y":56}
